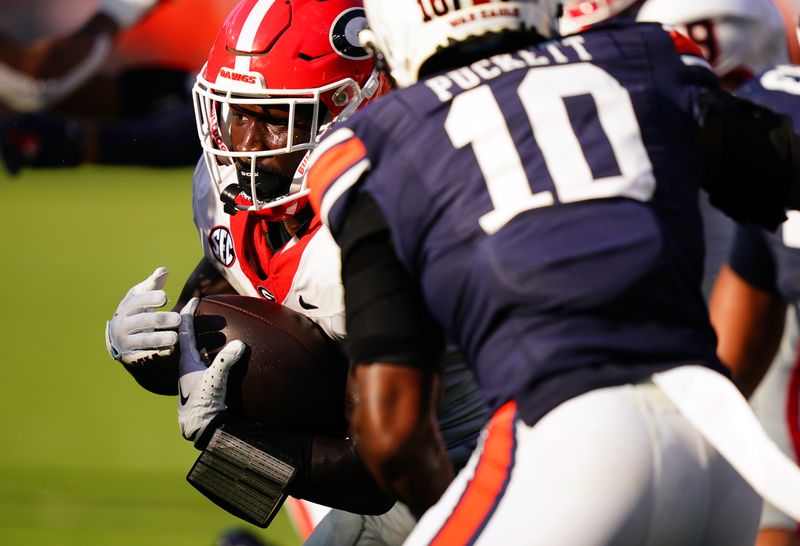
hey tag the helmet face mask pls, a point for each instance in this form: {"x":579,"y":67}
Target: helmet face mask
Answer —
{"x":214,"y":113}
{"x":293,"y":67}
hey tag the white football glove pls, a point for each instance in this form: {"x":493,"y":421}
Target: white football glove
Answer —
{"x":137,"y":332}
{"x":201,"y":389}
{"x":126,"y":12}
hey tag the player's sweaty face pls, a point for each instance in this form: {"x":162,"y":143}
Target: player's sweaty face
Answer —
{"x":257,"y":128}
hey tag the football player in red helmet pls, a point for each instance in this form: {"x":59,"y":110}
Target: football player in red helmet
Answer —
{"x":294,"y":81}
{"x":278,"y":75}
{"x":496,"y":106}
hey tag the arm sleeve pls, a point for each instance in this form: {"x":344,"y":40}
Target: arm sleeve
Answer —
{"x":749,"y":155}
{"x":752,"y":260}
{"x":387,"y":319}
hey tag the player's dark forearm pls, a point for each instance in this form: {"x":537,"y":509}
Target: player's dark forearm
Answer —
{"x":396,"y":433}
{"x":338,"y":478}
{"x":426,"y":472}
{"x":327,"y":470}
{"x":749,"y":323}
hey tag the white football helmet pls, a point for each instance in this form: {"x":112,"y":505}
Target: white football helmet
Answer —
{"x":408,"y":32}
{"x":736,"y":36}
{"x":295,"y":54}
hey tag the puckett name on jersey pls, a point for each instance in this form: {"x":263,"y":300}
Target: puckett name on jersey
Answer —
{"x":568,"y":50}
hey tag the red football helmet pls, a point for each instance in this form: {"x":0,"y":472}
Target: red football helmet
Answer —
{"x":292,"y":54}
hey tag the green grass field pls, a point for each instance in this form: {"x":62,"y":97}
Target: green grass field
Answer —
{"x":87,"y":458}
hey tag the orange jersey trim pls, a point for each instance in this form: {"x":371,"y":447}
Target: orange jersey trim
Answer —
{"x":331,"y":165}
{"x":486,"y":487}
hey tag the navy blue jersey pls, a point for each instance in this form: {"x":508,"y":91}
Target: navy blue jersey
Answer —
{"x":546,"y":200}
{"x":771,"y":261}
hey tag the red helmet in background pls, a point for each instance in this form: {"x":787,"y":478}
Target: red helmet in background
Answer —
{"x":581,"y":14}
{"x":281,"y":53}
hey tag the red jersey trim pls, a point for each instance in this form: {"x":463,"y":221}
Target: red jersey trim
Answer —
{"x":684,"y":45}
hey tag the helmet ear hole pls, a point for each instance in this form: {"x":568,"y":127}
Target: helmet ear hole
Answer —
{"x":342,"y":96}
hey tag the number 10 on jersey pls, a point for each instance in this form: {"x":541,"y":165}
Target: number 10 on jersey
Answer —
{"x":476,"y":119}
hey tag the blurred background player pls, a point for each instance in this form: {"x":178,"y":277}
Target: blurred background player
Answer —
{"x":538,"y":198}
{"x":748,"y":306}
{"x":101,"y":81}
{"x":739,"y":38}
{"x":280,"y":69}
{"x":742,"y":39}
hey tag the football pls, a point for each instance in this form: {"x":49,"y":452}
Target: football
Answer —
{"x":292,"y":376}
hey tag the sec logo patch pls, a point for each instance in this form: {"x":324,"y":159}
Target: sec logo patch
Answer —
{"x":221,"y":244}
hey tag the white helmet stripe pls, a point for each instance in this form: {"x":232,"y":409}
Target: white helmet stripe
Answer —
{"x":249,"y":31}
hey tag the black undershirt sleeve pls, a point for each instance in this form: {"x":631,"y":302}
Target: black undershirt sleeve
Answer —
{"x":752,"y":260}
{"x":749,"y":159}
{"x":387,"y":319}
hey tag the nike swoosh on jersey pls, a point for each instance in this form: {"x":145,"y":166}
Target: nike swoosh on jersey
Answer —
{"x":306,"y":305}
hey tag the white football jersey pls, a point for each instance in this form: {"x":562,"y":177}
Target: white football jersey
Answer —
{"x":303,"y":275}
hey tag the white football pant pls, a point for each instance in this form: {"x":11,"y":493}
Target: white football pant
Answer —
{"x":776,"y":403}
{"x":614,"y":466}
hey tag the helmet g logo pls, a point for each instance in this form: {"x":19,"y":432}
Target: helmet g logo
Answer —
{"x":344,"y":34}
